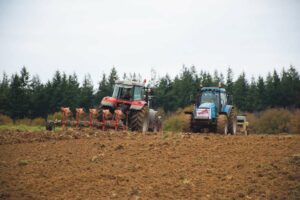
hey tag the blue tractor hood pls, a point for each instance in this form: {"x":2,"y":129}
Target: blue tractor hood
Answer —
{"x":205,"y":111}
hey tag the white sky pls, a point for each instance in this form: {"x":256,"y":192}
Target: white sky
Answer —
{"x":254,"y":36}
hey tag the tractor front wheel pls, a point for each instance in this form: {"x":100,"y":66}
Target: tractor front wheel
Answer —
{"x":222,"y":124}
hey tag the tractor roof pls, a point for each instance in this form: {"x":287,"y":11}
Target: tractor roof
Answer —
{"x":130,"y":83}
{"x":217,"y":89}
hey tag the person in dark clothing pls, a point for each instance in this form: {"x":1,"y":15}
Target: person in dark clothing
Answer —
{"x":127,"y":94}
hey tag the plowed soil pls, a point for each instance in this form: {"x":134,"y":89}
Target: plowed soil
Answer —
{"x":108,"y":165}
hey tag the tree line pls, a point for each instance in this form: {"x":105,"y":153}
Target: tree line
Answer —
{"x":23,"y":95}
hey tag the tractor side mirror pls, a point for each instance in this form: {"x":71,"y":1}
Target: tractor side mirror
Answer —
{"x":230,"y":99}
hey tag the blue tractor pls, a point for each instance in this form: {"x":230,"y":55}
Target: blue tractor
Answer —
{"x":213,"y":110}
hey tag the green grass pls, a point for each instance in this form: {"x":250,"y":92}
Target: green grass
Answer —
{"x":21,"y":128}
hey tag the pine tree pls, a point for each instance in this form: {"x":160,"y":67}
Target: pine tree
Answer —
{"x":103,"y":90}
{"x":240,"y":90}
{"x":4,"y":94}
{"x":229,"y":81}
{"x":261,"y":94}
{"x":290,"y":88}
{"x":16,"y":98}
{"x":113,"y":76}
{"x":252,"y":97}
{"x":72,"y":92}
{"x":38,"y":99}
{"x":86,"y":93}
{"x":216,"y":79}
{"x":207,"y":80}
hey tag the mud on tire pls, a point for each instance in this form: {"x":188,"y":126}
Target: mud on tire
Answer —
{"x":139,"y":120}
{"x":222,"y":124}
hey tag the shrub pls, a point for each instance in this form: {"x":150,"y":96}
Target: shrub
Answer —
{"x":174,"y":123}
{"x":5,"y":120}
{"x":294,"y":124}
{"x":178,"y":121}
{"x":54,"y":116}
{"x":252,"y":119}
{"x":274,"y":121}
{"x":24,"y":121}
{"x":38,"y":122}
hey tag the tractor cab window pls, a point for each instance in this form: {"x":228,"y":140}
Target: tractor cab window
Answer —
{"x":209,"y":97}
{"x":123,"y":92}
{"x":116,"y":91}
{"x":138,"y":93}
{"x":223,"y":99}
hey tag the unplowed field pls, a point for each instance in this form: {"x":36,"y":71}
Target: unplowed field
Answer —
{"x":107,"y":165}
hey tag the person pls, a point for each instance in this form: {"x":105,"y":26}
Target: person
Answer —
{"x":127,"y":94}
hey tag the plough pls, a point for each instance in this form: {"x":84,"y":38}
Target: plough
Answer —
{"x":108,"y":120}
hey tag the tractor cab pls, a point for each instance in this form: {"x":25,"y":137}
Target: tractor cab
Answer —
{"x":212,"y":97}
{"x":129,"y":90}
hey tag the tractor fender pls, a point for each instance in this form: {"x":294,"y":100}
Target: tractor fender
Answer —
{"x":108,"y":101}
{"x":227,"y":109}
{"x":136,"y":107}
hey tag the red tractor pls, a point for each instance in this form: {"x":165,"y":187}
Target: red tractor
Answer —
{"x":128,"y":109}
{"x":130,"y":106}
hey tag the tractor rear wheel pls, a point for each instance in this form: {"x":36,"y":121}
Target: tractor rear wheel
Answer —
{"x":139,"y":120}
{"x":222,"y":124}
{"x":232,"y":122}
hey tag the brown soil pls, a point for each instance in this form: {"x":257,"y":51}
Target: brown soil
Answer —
{"x":107,"y":165}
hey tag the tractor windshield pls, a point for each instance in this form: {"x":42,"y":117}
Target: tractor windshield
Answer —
{"x":127,"y":92}
{"x":209,"y":97}
{"x":122,"y":92}
{"x":138,"y":93}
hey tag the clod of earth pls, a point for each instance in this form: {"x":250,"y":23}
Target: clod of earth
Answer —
{"x":119,"y":147}
{"x":295,"y":159}
{"x":23,"y":162}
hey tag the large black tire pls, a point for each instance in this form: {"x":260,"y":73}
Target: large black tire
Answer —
{"x":232,"y":122}
{"x":222,"y":124}
{"x":187,"y":123}
{"x":139,"y":120}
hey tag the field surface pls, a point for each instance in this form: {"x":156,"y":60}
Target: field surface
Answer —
{"x":106,"y":165}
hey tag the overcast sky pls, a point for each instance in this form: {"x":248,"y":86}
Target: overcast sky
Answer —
{"x":254,"y":36}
